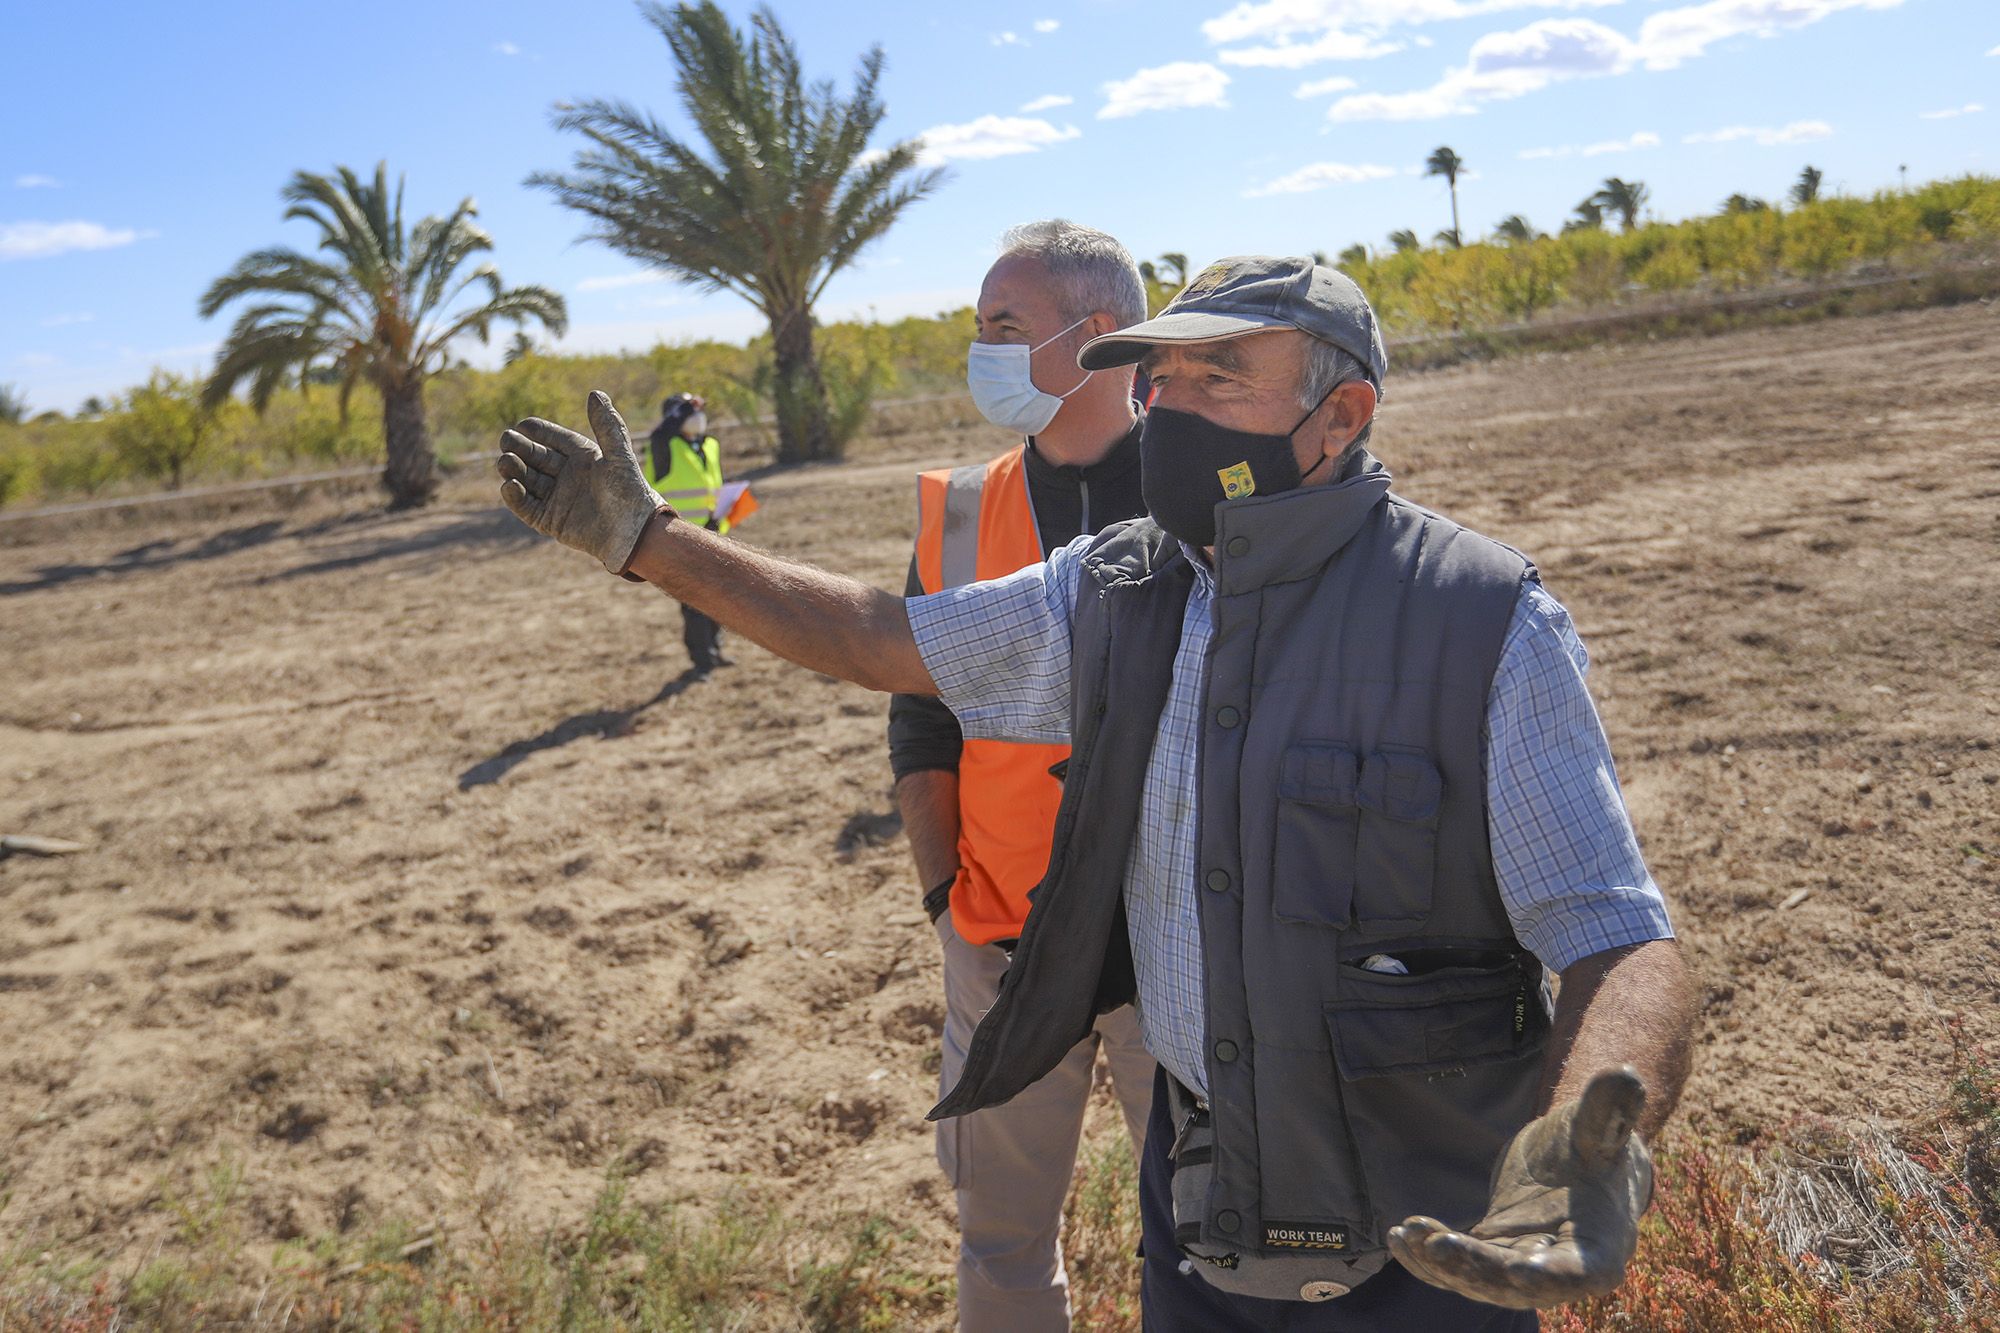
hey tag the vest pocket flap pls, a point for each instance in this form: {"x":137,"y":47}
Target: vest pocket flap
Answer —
{"x":1450,"y":1019}
{"x":1319,"y":774}
{"x":1318,"y":824}
{"x":1402,"y":785}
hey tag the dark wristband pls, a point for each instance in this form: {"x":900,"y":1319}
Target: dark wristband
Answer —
{"x":939,"y":898}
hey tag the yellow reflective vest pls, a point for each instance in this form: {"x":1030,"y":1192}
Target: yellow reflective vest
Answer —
{"x":693,"y":482}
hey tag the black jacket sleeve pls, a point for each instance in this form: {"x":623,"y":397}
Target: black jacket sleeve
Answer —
{"x":923,"y":734}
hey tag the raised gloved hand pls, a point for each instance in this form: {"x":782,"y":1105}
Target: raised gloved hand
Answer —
{"x":589,"y":496}
{"x":1564,"y":1218}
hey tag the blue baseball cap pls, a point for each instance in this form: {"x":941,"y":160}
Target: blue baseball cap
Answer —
{"x":1232,"y":298}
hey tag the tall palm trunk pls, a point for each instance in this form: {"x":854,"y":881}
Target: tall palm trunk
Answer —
{"x":1457,"y":236}
{"x":804,"y":433}
{"x":411,"y":470}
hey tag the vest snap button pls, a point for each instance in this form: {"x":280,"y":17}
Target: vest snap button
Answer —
{"x":1227,"y":1220}
{"x":1321,"y":1291}
{"x":1225,"y":1051}
{"x":1238,"y":546}
{"x":1219,"y":880}
{"x":1227,"y":717}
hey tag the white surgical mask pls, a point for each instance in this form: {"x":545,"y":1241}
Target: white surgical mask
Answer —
{"x":695,"y":430}
{"x":1003,"y":388}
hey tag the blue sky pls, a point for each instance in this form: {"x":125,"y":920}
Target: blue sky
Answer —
{"x":144,"y":145}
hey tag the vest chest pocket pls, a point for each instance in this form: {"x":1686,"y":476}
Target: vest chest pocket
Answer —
{"x":1395,"y":856}
{"x":1357,"y":836}
{"x":1319,"y":823}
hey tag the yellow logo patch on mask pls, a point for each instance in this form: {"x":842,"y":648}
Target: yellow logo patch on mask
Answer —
{"x":1237,"y":481}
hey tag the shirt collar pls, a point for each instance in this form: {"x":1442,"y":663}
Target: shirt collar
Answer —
{"x":1114,"y":466}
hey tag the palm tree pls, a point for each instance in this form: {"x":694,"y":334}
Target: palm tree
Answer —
{"x":1515,"y":229}
{"x":1589,"y":217}
{"x":1354,"y":255}
{"x":1443,"y":162}
{"x":380,"y":303}
{"x":786,"y":194}
{"x":1625,"y":198}
{"x":1806,"y":188}
{"x":1743,"y":203}
{"x":518,"y":346}
{"x":13,"y":405}
{"x":1177,"y":262}
{"x":1404,"y":241}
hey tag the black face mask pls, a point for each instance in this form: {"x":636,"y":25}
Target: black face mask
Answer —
{"x":1188,"y":465}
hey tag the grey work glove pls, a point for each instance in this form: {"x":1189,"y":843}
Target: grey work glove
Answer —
{"x":1564,"y":1218}
{"x":589,"y":496}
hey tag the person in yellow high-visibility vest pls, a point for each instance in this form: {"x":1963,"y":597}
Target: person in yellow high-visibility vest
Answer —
{"x":684,"y":465}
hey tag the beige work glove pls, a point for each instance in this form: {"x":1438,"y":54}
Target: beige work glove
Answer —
{"x":1564,"y":1218}
{"x":590,"y":496}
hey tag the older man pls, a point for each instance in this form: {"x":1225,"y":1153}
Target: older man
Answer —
{"x":1337,"y":797}
{"x":980,"y":813}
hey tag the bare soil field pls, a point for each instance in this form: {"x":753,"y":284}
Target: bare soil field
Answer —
{"x":424,"y":884}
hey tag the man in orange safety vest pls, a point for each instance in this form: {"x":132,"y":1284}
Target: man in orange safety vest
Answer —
{"x":980,"y":814}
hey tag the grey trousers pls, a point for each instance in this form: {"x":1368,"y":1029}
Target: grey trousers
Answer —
{"x":1011,"y":1164}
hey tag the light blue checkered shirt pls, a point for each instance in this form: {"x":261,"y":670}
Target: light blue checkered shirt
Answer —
{"x":1564,"y":852}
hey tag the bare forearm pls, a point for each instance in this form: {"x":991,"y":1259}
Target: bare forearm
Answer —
{"x":929,"y":802}
{"x":1630,"y":1006}
{"x":825,"y":622}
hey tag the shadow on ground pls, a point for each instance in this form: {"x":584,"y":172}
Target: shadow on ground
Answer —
{"x":604,"y":723}
{"x":492,"y":531}
{"x":153,"y":555}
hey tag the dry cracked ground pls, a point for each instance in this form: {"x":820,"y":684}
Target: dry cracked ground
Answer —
{"x":423,"y":884}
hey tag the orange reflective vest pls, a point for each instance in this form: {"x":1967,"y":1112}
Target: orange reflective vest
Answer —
{"x":978,"y":523}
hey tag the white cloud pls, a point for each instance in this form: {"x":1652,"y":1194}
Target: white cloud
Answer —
{"x":1799,"y":131}
{"x":35,"y":181}
{"x":506,"y":48}
{"x":1047,"y":25}
{"x":1184,"y":83}
{"x":1007,"y":39}
{"x":1502,"y":65}
{"x":1268,"y":19}
{"x":611,"y":282}
{"x":1674,"y":35}
{"x":1969,"y":109}
{"x":1643,"y":139}
{"x":38,"y":240}
{"x":990,"y":136}
{"x":1288,"y":54}
{"x":1321,"y":87}
{"x":1499,"y":66}
{"x":63,"y":321}
{"x":37,"y":360}
{"x":1318,"y":176}
{"x":1994,"y":52}
{"x":1048,"y":103}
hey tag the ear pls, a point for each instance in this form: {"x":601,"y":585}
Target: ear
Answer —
{"x":1344,"y":415}
{"x":1348,"y":412}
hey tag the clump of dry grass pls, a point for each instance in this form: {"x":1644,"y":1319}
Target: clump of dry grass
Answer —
{"x":627,"y":1266}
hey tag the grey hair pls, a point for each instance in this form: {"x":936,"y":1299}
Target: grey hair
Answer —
{"x":1327,"y":368}
{"x":1092,"y":270}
